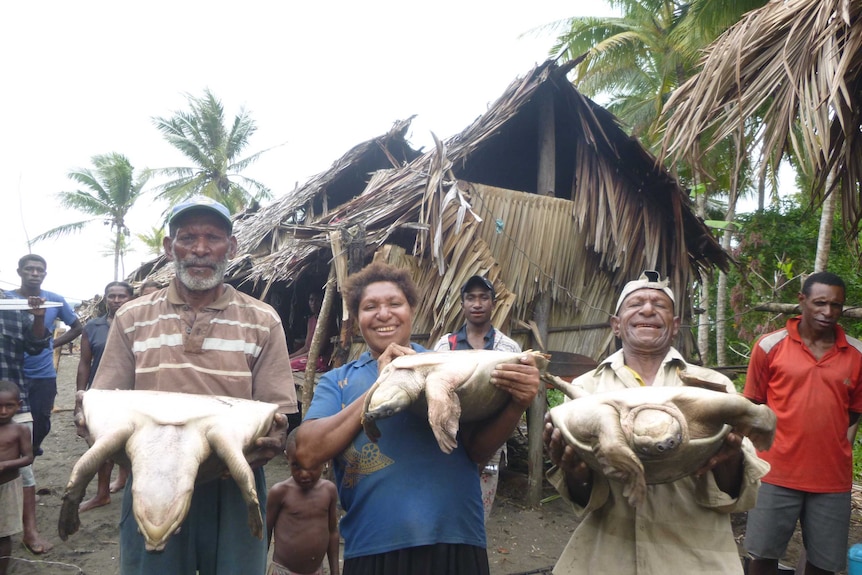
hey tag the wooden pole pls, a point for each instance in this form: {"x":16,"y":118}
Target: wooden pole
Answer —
{"x":793,"y":309}
{"x":355,"y":243}
{"x":318,"y":341}
{"x":545,"y":185}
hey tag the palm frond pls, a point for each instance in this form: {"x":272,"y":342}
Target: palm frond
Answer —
{"x":797,"y":62}
{"x":62,"y":231}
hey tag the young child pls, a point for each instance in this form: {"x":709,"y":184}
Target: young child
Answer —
{"x":301,"y":512}
{"x":16,"y":451}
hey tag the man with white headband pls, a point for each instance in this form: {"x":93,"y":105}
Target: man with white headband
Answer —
{"x":682,"y":526}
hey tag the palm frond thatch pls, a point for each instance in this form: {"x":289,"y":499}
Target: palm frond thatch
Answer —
{"x":797,"y":65}
{"x":470,"y":205}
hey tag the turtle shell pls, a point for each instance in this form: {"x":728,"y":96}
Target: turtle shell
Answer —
{"x":653,"y":427}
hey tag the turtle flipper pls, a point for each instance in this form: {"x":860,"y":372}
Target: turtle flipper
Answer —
{"x":618,"y":460}
{"x":370,"y":428}
{"x":755,"y":421}
{"x":444,"y":411}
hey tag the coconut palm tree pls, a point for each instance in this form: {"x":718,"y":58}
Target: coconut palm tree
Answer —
{"x":153,"y":240}
{"x":202,"y":136}
{"x":111,"y":191}
{"x":638,"y":58}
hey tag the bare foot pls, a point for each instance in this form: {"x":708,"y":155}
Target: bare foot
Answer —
{"x":96,"y":501}
{"x":36,"y":545}
{"x":118,"y":485}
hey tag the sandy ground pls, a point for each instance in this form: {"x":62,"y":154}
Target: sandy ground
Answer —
{"x":521,"y":539}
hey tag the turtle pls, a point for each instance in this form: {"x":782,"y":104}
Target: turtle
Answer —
{"x":445,"y":386}
{"x":172,"y":441}
{"x":649,"y":435}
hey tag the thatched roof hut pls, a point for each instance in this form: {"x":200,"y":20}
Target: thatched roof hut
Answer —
{"x":474,"y":204}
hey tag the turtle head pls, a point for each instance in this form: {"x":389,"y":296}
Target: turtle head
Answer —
{"x":386,"y":402}
{"x":655,"y":432}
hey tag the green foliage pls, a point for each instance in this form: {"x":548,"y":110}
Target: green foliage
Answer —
{"x":153,"y":240}
{"x":641,"y":56}
{"x":857,"y":460}
{"x":555,"y":397}
{"x":773,"y":249}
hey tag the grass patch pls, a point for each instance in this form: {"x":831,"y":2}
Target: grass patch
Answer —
{"x":857,"y":460}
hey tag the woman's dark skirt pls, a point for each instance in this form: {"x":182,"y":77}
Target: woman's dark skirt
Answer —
{"x":439,"y":559}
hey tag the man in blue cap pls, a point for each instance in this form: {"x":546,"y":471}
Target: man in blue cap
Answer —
{"x":200,"y":335}
{"x":478,"y":298}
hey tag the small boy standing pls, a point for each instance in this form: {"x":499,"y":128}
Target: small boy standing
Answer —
{"x":301,"y":512}
{"x":16,"y":451}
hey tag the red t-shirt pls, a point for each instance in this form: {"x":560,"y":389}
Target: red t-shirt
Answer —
{"x":811,"y":399}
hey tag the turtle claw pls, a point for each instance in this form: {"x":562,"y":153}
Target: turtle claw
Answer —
{"x":370,"y":427}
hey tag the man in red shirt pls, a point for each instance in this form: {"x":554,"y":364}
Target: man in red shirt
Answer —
{"x":810,"y":374}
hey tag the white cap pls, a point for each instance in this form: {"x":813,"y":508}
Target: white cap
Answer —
{"x":648,"y":280}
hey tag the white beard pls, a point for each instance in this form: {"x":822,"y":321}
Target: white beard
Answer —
{"x":196,"y":283}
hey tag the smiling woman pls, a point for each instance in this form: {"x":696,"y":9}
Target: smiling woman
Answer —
{"x":393,"y":522}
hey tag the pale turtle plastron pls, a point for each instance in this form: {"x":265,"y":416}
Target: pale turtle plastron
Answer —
{"x":649,"y":435}
{"x":171,"y":440}
{"x":448,"y":386}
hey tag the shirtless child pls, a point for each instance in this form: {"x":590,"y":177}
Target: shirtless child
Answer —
{"x":301,"y":513}
{"x":16,"y":451}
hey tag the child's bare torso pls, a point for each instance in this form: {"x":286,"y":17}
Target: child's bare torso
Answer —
{"x":10,"y":449}
{"x":302,"y":530}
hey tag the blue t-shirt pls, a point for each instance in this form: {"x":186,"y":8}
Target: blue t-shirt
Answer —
{"x":402,"y":491}
{"x":42,"y":365}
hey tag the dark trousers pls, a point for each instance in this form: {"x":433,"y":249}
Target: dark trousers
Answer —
{"x":41,"y":394}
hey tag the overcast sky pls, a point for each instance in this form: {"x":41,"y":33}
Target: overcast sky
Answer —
{"x":85,"y":78}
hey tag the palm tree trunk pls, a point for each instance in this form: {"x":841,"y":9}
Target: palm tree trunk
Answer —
{"x":721,"y":310}
{"x":824,"y":236}
{"x":721,"y":291}
{"x":703,"y":318}
{"x":117,"y":240}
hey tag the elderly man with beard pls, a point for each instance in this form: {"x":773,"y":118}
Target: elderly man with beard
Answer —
{"x":200,"y":335}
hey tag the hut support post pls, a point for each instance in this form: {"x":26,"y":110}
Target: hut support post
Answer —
{"x":317,"y":341}
{"x":354,"y":239}
{"x":545,"y":185}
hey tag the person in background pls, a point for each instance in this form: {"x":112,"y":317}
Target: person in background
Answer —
{"x":683,"y":526}
{"x":16,"y":451}
{"x":810,"y":374}
{"x":302,"y":514}
{"x":201,"y":335}
{"x":40,"y":381}
{"x":24,"y":332}
{"x":40,"y":375}
{"x":409,"y":507}
{"x":92,"y":347}
{"x":299,"y":358}
{"x":478,"y":299}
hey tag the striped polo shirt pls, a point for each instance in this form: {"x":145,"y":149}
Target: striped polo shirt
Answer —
{"x":235,"y":346}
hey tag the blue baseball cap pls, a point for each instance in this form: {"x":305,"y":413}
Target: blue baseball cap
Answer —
{"x":199,"y":204}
